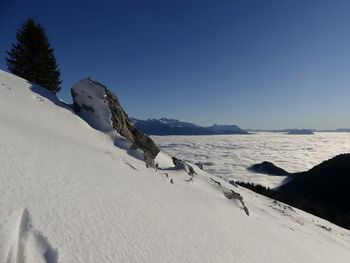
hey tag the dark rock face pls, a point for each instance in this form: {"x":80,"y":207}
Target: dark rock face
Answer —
{"x":122,"y":125}
{"x":105,"y":113}
{"x":268,"y":168}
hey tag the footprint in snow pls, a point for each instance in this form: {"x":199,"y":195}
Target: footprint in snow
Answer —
{"x":30,"y":245}
{"x":4,"y":86}
{"x":39,"y":98}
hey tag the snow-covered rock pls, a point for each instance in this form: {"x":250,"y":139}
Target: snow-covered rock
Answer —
{"x":102,"y":110}
{"x":69,"y":195}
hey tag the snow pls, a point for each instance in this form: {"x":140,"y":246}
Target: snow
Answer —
{"x":91,"y":98}
{"x":68,"y":194}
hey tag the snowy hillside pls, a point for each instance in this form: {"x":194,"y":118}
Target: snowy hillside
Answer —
{"x":68,"y":194}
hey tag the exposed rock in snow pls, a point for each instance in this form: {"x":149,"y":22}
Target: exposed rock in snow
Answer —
{"x":180,"y":164}
{"x":102,"y":110}
{"x":231,"y":194}
{"x":200,"y":165}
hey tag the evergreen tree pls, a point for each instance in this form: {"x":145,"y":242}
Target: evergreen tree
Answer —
{"x":32,"y":57}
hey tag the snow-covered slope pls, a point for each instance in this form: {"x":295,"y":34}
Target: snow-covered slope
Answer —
{"x":69,"y":195}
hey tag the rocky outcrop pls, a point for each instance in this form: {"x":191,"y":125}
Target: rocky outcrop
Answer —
{"x":102,"y":110}
{"x":180,"y":164}
{"x":231,"y":194}
{"x":268,"y":168}
{"x":123,"y":126}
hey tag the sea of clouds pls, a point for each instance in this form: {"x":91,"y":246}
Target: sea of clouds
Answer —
{"x":229,"y":156}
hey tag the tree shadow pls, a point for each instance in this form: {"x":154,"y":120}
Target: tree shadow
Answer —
{"x":49,"y":95}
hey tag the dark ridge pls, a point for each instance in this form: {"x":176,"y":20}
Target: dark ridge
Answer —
{"x":175,"y":127}
{"x":268,"y":168}
{"x":321,"y":191}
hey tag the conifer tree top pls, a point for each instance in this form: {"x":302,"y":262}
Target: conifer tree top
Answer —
{"x":32,"y":57}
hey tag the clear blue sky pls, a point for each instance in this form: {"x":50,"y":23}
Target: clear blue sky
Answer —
{"x":261,"y":64}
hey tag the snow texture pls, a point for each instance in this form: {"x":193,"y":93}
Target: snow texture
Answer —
{"x":68,"y":194}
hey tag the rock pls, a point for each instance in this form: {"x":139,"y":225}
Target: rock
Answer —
{"x":233,"y":183}
{"x":231,"y":194}
{"x":180,"y":164}
{"x":102,"y":110}
{"x":200,"y":166}
{"x":268,"y":168}
{"x":123,"y":126}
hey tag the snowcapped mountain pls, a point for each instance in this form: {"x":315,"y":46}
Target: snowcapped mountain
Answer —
{"x":70,"y":193}
{"x":166,"y":126}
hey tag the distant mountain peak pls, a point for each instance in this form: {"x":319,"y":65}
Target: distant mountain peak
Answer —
{"x":165,"y":126}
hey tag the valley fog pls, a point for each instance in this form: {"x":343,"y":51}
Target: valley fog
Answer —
{"x":230,"y":155}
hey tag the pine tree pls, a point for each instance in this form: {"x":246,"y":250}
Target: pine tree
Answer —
{"x":33,"y":58}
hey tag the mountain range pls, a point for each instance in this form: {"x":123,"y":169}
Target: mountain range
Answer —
{"x":166,"y":126}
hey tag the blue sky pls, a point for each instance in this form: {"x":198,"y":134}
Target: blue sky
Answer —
{"x":258,"y":64}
